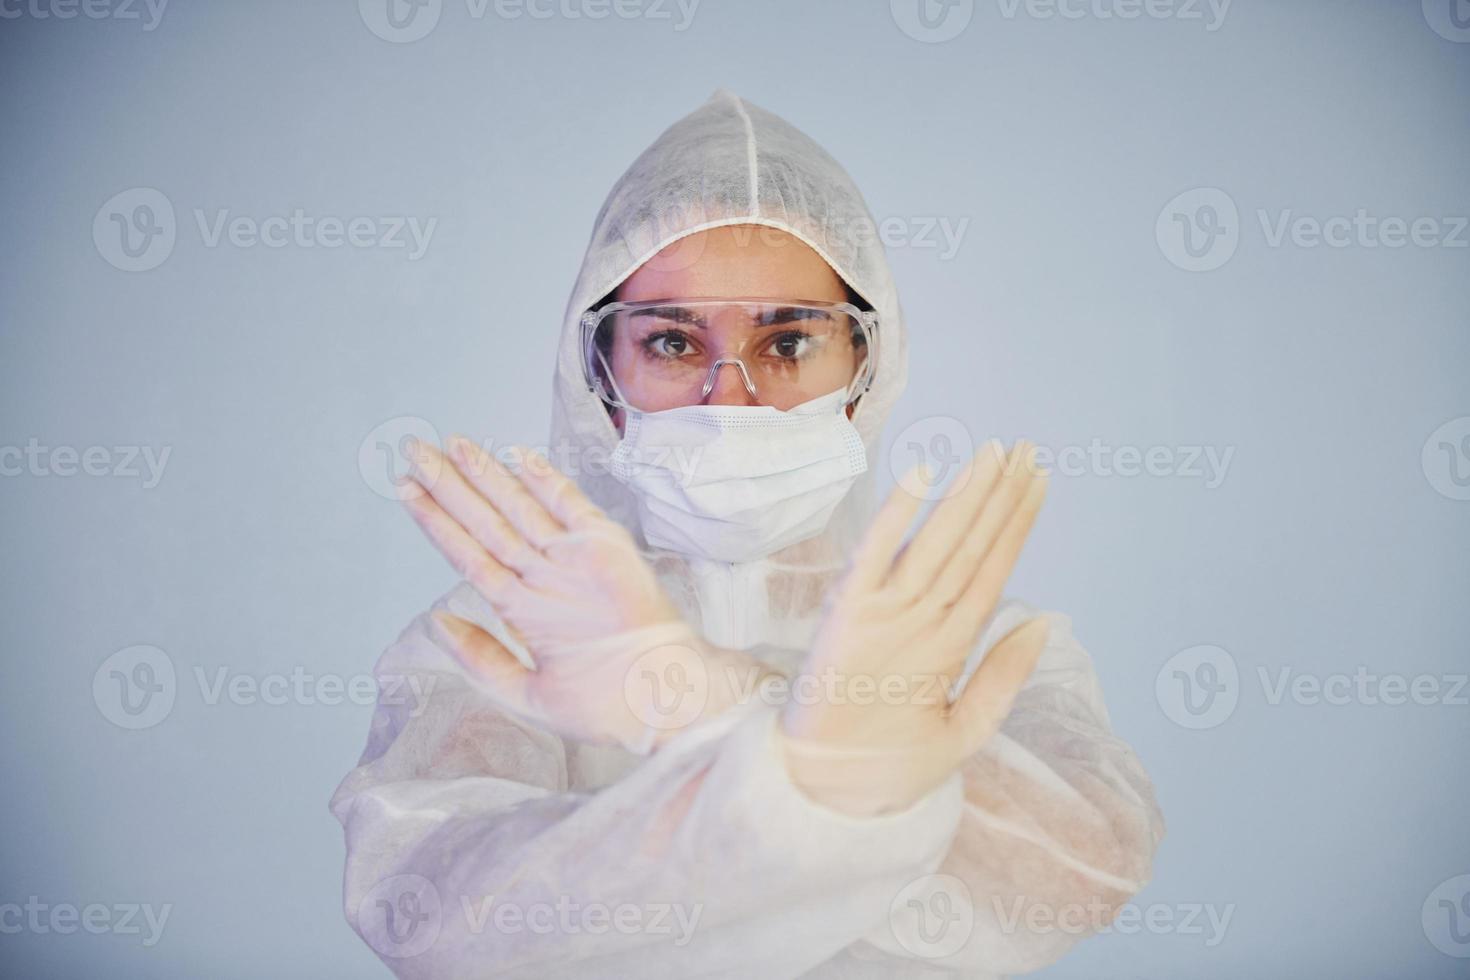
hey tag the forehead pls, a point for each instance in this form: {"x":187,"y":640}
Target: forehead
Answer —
{"x":735,"y":261}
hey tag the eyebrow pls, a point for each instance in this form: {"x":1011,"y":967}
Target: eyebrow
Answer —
{"x":682,"y":314}
{"x":679,"y":314}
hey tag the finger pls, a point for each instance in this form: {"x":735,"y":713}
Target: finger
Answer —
{"x":980,"y":598}
{"x":487,"y":661}
{"x":944,"y":530}
{"x":562,"y":498}
{"x":454,"y":493}
{"x":489,"y":577}
{"x":978,"y":539}
{"x":873,"y":559}
{"x":991,"y":691}
{"x":504,"y":492}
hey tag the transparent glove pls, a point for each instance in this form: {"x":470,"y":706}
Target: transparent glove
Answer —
{"x":885,"y":728}
{"x":613,"y":661}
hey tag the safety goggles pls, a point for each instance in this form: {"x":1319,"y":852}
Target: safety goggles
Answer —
{"x":670,"y":353}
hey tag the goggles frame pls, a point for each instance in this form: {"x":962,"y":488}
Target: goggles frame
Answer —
{"x":591,"y":321}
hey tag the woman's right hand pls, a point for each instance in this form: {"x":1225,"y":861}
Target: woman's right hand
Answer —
{"x":614,"y":661}
{"x":897,"y":632}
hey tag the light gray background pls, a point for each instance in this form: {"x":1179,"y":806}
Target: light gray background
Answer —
{"x":1330,"y":544}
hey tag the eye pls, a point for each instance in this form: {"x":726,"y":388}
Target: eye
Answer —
{"x":668,"y":343}
{"x":791,"y":344}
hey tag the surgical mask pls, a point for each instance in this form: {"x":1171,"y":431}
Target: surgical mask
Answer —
{"x":735,"y":483}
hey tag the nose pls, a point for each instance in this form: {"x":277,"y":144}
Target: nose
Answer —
{"x":727,"y":385}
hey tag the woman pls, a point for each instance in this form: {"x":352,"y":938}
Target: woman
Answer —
{"x":760,"y":738}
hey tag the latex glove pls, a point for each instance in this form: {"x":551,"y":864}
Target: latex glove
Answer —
{"x":613,"y":660}
{"x":884,"y":729}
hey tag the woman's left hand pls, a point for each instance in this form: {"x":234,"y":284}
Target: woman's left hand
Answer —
{"x":903,"y":622}
{"x":615,"y":662}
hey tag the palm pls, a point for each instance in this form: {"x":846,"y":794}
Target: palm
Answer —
{"x":899,"y":630}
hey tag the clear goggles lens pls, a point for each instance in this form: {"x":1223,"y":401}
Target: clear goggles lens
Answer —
{"x":661,"y":354}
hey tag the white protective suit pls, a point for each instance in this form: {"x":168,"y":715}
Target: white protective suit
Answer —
{"x":471,"y":810}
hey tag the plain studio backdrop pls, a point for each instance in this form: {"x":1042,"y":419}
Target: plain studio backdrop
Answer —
{"x":1214,"y":259}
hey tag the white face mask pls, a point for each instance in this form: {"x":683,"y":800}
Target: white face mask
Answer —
{"x":734,"y":482}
